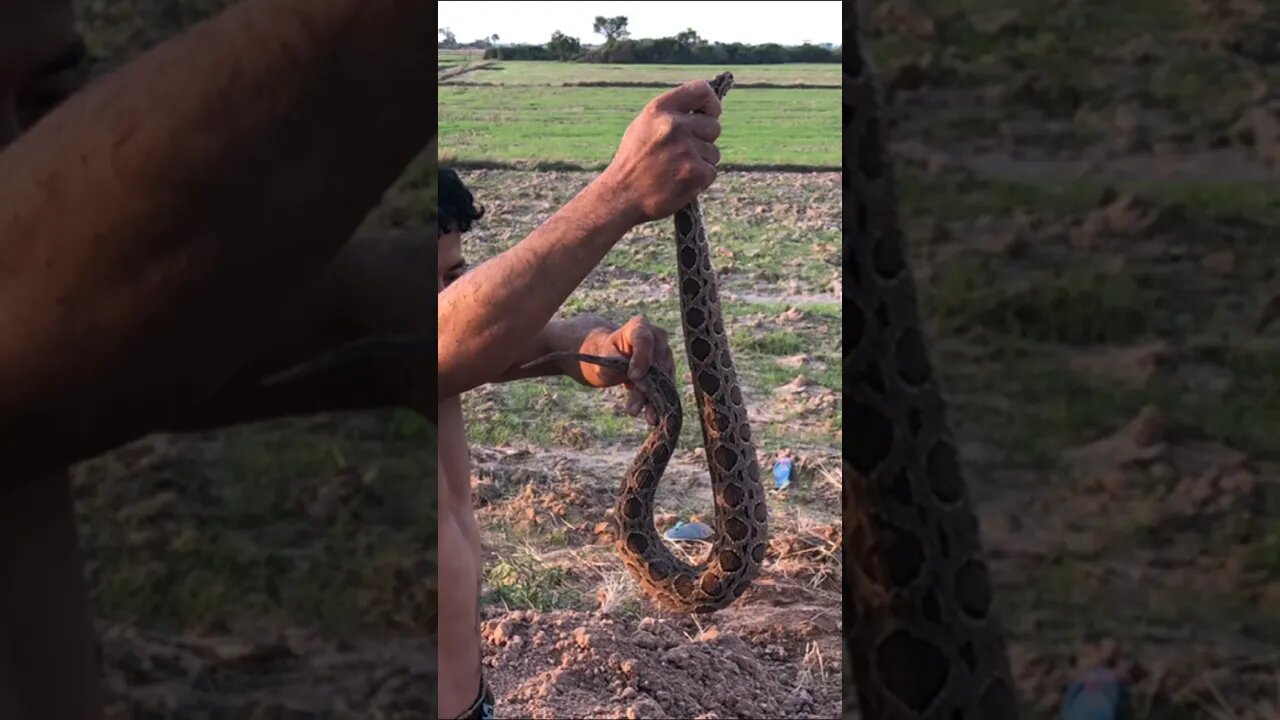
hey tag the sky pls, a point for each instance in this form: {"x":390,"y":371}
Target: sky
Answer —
{"x":789,"y":23}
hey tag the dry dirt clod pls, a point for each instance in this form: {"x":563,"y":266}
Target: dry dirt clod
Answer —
{"x":1148,"y":427}
{"x":1134,"y":365}
{"x":1139,"y":441}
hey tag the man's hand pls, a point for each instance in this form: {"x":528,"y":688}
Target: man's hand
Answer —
{"x":645,"y":344}
{"x":668,"y":153}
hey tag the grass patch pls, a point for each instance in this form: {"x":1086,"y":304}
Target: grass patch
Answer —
{"x":536,"y":72}
{"x":1248,"y":415}
{"x":521,"y":581}
{"x":524,"y":410}
{"x":1075,"y":306}
{"x":582,"y":126}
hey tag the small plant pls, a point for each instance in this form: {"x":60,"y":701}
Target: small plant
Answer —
{"x":522,"y":581}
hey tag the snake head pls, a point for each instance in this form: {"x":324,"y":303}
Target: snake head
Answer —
{"x":721,"y":84}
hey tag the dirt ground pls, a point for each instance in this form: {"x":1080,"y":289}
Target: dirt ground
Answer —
{"x":1089,"y":190}
{"x":774,"y":653}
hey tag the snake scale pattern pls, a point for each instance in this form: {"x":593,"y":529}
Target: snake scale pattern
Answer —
{"x":741,"y":513}
{"x":920,"y":639}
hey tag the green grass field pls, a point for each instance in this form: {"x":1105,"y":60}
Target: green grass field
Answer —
{"x":582,"y":126}
{"x":522,"y":114}
{"x":560,"y":73}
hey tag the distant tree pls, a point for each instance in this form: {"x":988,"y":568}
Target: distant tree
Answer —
{"x":689,"y":38}
{"x":613,"y":29}
{"x":447,"y":38}
{"x":564,"y":47}
{"x":494,"y":38}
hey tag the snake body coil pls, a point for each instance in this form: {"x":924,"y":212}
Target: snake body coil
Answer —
{"x":741,"y":515}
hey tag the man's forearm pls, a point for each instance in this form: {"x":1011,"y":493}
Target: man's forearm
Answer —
{"x":495,"y":312}
{"x":384,"y":373}
{"x":558,"y":336}
{"x":150,"y":224}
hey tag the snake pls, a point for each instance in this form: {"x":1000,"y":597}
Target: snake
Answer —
{"x":922,"y":640}
{"x":740,"y":525}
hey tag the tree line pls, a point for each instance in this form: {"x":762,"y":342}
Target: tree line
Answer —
{"x":685,"y":48}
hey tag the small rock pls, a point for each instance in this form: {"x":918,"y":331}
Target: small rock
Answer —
{"x":645,"y":707}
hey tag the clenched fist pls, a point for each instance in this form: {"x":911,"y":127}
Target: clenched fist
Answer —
{"x":667,"y":155}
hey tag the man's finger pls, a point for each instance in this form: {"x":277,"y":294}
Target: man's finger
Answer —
{"x":693,"y":96}
{"x":667,"y":361}
{"x":635,"y":402}
{"x":640,"y":340}
{"x":704,"y":174}
{"x":707,"y":151}
{"x":704,"y":128}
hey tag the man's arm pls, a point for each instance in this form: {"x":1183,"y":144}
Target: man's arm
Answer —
{"x":358,"y":339}
{"x":557,"y":336}
{"x":495,"y":311}
{"x":372,"y":373}
{"x":397,"y":371}
{"x":150,"y":225}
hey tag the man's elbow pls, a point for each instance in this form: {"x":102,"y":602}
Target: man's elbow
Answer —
{"x":455,"y":378}
{"x":451,"y":384}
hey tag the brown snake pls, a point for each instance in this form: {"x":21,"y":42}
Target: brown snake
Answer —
{"x":921,"y":639}
{"x":741,"y":515}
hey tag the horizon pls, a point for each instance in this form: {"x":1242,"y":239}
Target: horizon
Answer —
{"x":518,"y":23}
